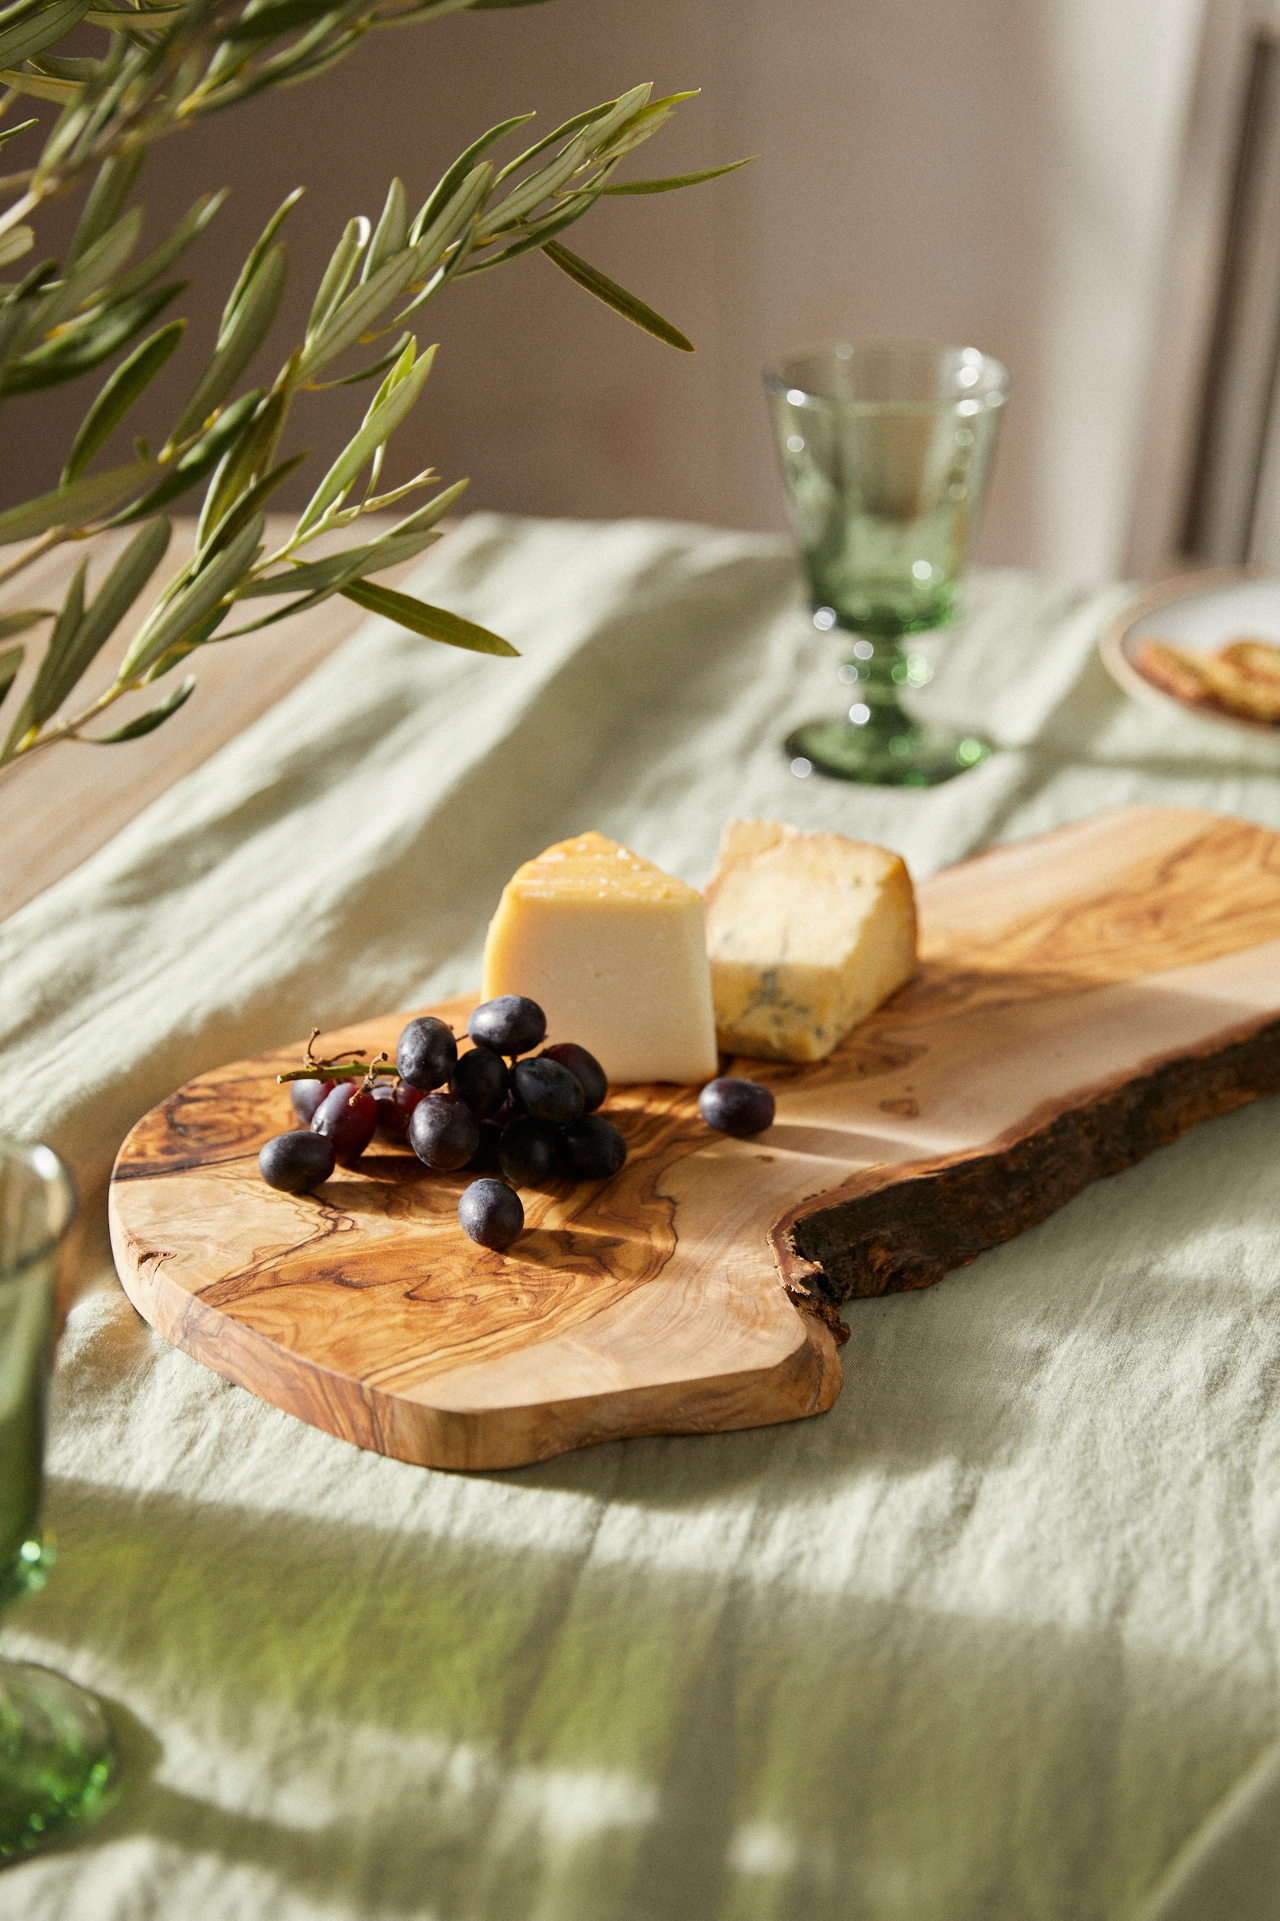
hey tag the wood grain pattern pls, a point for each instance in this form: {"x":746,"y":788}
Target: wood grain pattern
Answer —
{"x":1081,"y":999}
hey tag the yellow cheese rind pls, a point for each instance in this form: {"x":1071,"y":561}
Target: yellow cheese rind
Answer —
{"x":614,"y":952}
{"x":807,"y":934}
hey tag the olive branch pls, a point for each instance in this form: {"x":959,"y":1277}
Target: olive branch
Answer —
{"x":165,"y":65}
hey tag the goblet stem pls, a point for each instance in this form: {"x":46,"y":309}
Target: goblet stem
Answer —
{"x":876,"y":741}
{"x":875,"y":673}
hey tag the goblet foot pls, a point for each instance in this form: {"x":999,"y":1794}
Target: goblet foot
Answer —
{"x":890,"y":751}
{"x":56,"y":1755}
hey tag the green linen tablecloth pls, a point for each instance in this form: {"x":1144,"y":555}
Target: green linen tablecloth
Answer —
{"x":997,"y":1637}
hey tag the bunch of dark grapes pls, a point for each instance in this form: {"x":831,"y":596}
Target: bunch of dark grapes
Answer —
{"x":516,"y":1117}
{"x":499,"y":1109}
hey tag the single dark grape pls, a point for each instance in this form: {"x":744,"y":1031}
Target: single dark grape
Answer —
{"x":296,"y":1162}
{"x":426,"y":1053}
{"x":480,"y":1079}
{"x":443,"y":1133}
{"x":306,"y":1097}
{"x":395,"y":1104}
{"x":392,"y":1124}
{"x":592,"y":1148}
{"x":735,"y":1106}
{"x":547,"y":1091}
{"x":584,"y":1067}
{"x":348,"y":1118}
{"x":528,"y":1151}
{"x":491,"y":1213}
{"x":509,"y":1025}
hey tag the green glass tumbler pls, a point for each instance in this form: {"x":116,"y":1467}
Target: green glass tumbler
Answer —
{"x":55,"y":1750}
{"x":885,"y":449}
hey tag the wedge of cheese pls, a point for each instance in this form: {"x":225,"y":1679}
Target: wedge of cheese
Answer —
{"x":614,"y":952}
{"x":807,"y":934}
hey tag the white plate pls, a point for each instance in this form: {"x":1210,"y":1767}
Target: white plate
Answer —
{"x":1200,"y":612}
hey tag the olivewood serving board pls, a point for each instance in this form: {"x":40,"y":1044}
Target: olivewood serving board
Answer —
{"x":1081,"y":999}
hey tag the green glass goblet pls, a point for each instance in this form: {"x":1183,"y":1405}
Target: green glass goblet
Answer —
{"x":885,"y":449}
{"x":55,"y":1750}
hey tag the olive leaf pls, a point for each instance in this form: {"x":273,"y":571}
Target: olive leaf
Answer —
{"x":66,"y":68}
{"x":254,"y":264}
{"x":44,"y":695}
{"x":462,"y":167}
{"x":111,"y":189}
{"x":11,"y":133}
{"x":565,"y":131}
{"x":344,"y":321}
{"x":10,"y":661}
{"x":379,"y":366}
{"x":146,"y":19}
{"x":76,"y":506}
{"x":199,"y":460}
{"x":93,"y":271}
{"x":389,"y":406}
{"x":677,"y":180}
{"x":194,"y":597}
{"x":39,"y":86}
{"x":117,"y":594}
{"x":244,"y":333}
{"x":220,"y":531}
{"x":24,"y":617}
{"x":337,"y":275}
{"x":126,"y":385}
{"x":541,"y":185}
{"x":535,"y":234}
{"x":171,"y":248}
{"x":283,"y":16}
{"x":80,"y":350}
{"x":40,"y":27}
{"x":79,"y":632}
{"x":18,"y":10}
{"x":249,"y":450}
{"x":148,"y":722}
{"x":616,"y":297}
{"x":17,"y":241}
{"x":391,"y":234}
{"x":433,"y":623}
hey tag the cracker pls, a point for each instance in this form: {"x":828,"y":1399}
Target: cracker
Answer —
{"x":1258,"y":658}
{"x":1241,"y":679}
{"x":1178,"y":673}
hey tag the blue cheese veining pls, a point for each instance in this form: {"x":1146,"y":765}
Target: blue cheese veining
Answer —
{"x":807,"y":933}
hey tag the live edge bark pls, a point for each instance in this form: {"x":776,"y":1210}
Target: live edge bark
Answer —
{"x":909,"y":1226}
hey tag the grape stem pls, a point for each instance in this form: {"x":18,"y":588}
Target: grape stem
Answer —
{"x":313,"y":1069}
{"x":337,"y":1071}
{"x":309,"y":1059}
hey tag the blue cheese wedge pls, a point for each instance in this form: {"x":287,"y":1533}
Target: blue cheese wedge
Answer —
{"x":614,"y":952}
{"x":807,"y":934}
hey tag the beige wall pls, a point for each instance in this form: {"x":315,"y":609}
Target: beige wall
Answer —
{"x":992,"y":171}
